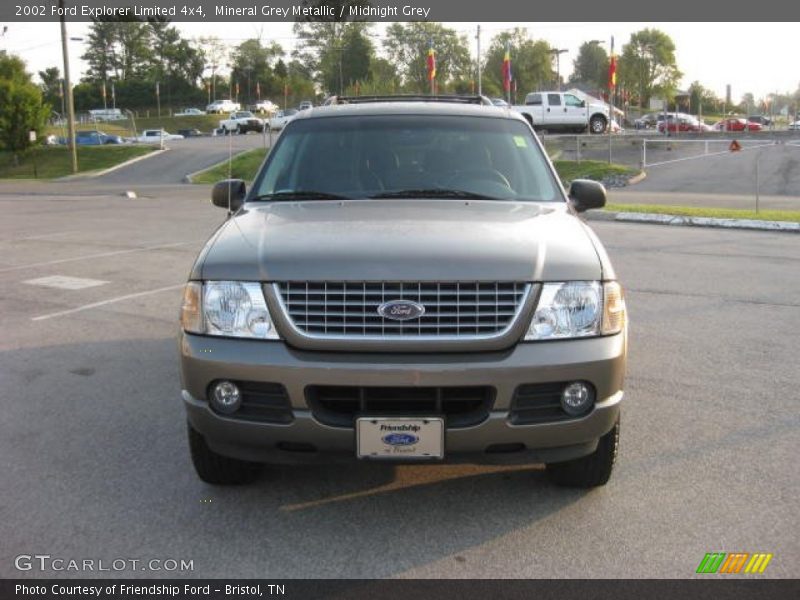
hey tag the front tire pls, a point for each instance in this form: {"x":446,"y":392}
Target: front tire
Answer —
{"x":598,"y":124}
{"x":217,"y":469}
{"x":588,"y":471}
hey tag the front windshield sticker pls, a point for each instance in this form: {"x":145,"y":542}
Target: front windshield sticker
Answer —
{"x":520,"y":141}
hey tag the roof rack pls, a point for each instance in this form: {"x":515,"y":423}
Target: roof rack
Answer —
{"x":453,"y":99}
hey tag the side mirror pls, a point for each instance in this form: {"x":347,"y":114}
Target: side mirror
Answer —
{"x":583,"y":103}
{"x":586,"y":194}
{"x":229,"y":194}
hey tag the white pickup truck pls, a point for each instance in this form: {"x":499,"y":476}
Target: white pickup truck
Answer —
{"x":563,"y":111}
{"x":241,"y":122}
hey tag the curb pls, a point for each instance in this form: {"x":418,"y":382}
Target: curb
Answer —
{"x":637,"y":178}
{"x":93,"y":174}
{"x":681,"y":221}
{"x":189,"y":177}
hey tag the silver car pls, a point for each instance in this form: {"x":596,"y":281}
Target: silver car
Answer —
{"x":405,"y":281}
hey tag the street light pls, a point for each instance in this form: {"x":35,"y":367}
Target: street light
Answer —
{"x":558,"y":52}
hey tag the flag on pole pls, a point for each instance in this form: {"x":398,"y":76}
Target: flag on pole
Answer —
{"x":507,"y":76}
{"x":612,"y":67}
{"x":431,"y":61}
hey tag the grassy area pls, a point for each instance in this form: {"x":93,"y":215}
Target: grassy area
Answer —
{"x":589,"y":169}
{"x":243,"y":166}
{"x":55,"y":161}
{"x":716,"y":213}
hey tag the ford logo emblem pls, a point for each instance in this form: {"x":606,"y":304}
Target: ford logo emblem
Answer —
{"x":400,"y":439}
{"x":401,"y":310}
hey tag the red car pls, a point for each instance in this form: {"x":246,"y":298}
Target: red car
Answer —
{"x":687,"y":123}
{"x":734,"y":124}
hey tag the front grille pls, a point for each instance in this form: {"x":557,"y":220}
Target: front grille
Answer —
{"x":538,"y":403}
{"x":452,"y":310}
{"x":338,"y":406}
{"x":263,"y":402}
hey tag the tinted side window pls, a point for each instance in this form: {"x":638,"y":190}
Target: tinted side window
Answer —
{"x":571,"y":100}
{"x":554,"y":99}
{"x":533,"y":100}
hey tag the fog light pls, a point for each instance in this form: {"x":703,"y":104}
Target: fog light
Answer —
{"x":226,"y":397}
{"x":577,"y":398}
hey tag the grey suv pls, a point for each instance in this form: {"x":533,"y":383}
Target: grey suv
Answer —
{"x":406,"y":280}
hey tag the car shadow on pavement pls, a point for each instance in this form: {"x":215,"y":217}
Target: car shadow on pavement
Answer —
{"x":95,"y":452}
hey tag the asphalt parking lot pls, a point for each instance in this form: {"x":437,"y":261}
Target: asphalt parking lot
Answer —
{"x":95,"y":464}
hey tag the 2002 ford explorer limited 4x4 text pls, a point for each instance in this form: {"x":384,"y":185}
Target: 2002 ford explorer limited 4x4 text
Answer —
{"x":406,"y":280}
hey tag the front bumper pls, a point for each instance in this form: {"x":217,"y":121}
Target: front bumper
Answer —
{"x":600,"y":361}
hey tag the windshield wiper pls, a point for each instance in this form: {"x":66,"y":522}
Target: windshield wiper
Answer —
{"x":434,"y":193}
{"x":301,"y":195}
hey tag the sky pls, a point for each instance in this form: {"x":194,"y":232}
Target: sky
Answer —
{"x":757,"y":58}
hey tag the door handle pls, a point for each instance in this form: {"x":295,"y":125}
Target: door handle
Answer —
{"x":565,"y":109}
{"x":548,"y":109}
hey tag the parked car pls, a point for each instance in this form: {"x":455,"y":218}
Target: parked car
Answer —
{"x":187,"y":133}
{"x":96,"y":138}
{"x":679,"y":123}
{"x":282,"y":117}
{"x":241,"y":122}
{"x":760,"y":119}
{"x":190,"y":112}
{"x":405,"y":340}
{"x":155,"y":136}
{"x":563,"y":111}
{"x":646,"y":121}
{"x":305,"y":105}
{"x":794,"y":126}
{"x":223,"y":106}
{"x":736,"y":124}
{"x":264,"y":107}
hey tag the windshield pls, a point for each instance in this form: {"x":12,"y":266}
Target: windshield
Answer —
{"x":407,"y":156}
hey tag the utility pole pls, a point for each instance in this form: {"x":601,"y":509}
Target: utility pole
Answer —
{"x":611,"y":89}
{"x":68,"y":90}
{"x":478,"y":38}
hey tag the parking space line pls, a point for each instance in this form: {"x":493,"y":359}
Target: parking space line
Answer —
{"x":88,"y":256}
{"x":105,"y":302}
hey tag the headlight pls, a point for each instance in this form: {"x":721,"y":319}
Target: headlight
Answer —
{"x":229,"y":308}
{"x":577,"y":309}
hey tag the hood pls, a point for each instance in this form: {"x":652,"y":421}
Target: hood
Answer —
{"x":408,"y":240}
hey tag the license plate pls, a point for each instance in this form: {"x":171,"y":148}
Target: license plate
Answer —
{"x":390,"y":438}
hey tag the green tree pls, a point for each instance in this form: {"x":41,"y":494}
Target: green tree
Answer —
{"x":51,"y":86}
{"x":383,"y":78}
{"x":341,"y":66}
{"x":648,"y":65}
{"x":215,"y":54}
{"x":531,"y":63}
{"x":407,"y":44}
{"x":591,"y":66}
{"x":252,"y":64}
{"x":21,"y":106}
{"x":321,"y":44}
